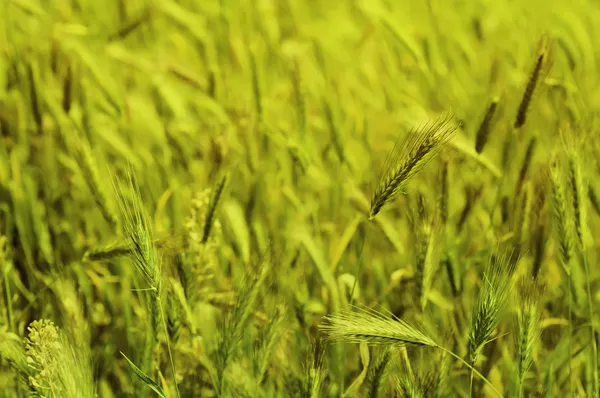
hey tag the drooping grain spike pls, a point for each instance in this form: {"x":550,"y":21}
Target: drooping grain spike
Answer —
{"x":408,"y":157}
{"x":367,"y":326}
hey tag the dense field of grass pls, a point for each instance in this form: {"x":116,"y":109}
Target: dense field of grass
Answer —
{"x":299,"y":198}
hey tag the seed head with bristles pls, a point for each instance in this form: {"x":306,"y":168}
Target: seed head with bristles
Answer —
{"x":408,"y":157}
{"x":543,"y":62}
{"x":364,"y":326}
{"x":528,"y":324}
{"x":579,"y":198}
{"x":492,"y":299}
{"x":486,"y":125}
{"x":561,"y":217}
{"x":137,"y":228}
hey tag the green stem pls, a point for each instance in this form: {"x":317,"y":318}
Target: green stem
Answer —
{"x":358,"y":268}
{"x":570,"y":331}
{"x":473,"y":370}
{"x":521,"y":387}
{"x":162,"y":314}
{"x":593,"y":328}
{"x":9,"y":310}
{"x":471,"y":381}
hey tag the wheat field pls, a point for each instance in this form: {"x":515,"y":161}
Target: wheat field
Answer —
{"x":288,"y":198}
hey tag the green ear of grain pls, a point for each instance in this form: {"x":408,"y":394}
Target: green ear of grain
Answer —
{"x":492,"y":300}
{"x":485,"y":127}
{"x":145,"y":378}
{"x":408,"y":157}
{"x":528,"y":330}
{"x":540,"y":69}
{"x":563,"y":223}
{"x":136,"y":226}
{"x":366,"y":326}
{"x":377,"y":374}
{"x":215,"y":200}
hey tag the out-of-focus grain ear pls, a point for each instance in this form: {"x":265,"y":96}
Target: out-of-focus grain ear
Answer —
{"x":541,"y":68}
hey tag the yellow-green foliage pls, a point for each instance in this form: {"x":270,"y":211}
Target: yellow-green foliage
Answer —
{"x":195,"y":196}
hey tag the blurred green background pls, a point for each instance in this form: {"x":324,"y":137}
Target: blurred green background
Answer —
{"x":295,"y":104}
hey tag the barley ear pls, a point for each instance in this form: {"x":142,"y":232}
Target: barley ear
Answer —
{"x":408,"y":157}
{"x":579,"y":198}
{"x":137,"y":229}
{"x":368,"y":326}
{"x":238,"y":320}
{"x":540,"y":69}
{"x":492,"y":300}
{"x":485,"y":127}
{"x":92,"y":177}
{"x":377,"y":374}
{"x":529,"y":313}
{"x":560,"y":217}
{"x":414,"y":386}
{"x":211,"y":212}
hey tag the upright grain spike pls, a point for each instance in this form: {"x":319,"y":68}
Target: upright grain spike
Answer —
{"x":300,"y":97}
{"x":578,"y":198}
{"x":90,"y":172}
{"x":529,"y":313}
{"x":239,"y":320}
{"x":211,"y":212}
{"x":137,"y":228}
{"x":579,"y":205}
{"x":256,"y":86}
{"x":377,"y":374}
{"x":561,"y":218}
{"x":34,"y":99}
{"x":67,"y":89}
{"x":492,"y":299}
